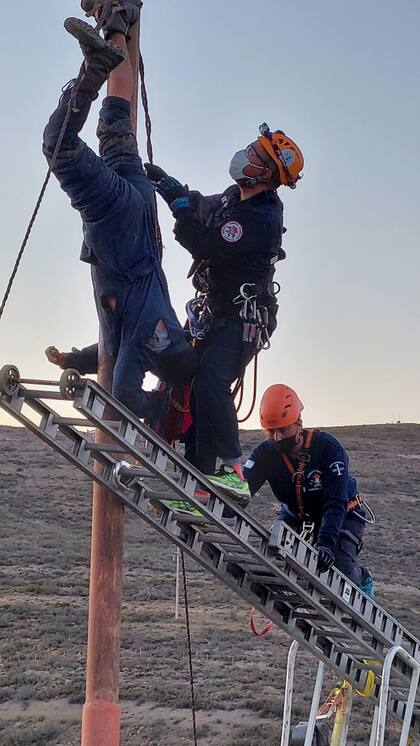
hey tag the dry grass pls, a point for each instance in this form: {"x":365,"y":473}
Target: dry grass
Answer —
{"x":44,"y":555}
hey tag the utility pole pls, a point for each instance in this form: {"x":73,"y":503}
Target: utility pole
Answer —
{"x":101,"y":712}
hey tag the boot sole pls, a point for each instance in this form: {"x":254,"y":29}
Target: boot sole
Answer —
{"x":90,"y":39}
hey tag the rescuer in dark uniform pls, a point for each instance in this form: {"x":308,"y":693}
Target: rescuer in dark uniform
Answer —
{"x":116,"y":202}
{"x":308,"y":471}
{"x":235,"y":239}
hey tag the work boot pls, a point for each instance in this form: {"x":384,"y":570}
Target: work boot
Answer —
{"x":101,"y":57}
{"x":119,"y":18}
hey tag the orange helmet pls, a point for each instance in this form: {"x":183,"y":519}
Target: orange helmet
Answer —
{"x":280,"y":407}
{"x":285,"y":153}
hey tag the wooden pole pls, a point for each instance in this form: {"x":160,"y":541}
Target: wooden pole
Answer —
{"x":101,"y":711}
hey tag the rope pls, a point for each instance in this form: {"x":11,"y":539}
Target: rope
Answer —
{"x":254,"y":392}
{"x":149,"y":145}
{"x":57,"y":149}
{"x":41,"y":194}
{"x":187,"y":618}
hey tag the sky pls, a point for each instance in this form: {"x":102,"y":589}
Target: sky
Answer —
{"x":342,"y":80}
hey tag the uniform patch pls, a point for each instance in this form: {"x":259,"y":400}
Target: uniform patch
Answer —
{"x":314,"y":481}
{"x":338,"y":468}
{"x":232,"y":231}
{"x":249,"y":464}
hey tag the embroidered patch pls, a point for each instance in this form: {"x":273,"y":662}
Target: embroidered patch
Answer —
{"x":314,"y":480}
{"x":232,"y":231}
{"x":338,"y":468}
{"x":249,"y":464}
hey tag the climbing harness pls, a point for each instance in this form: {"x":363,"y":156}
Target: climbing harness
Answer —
{"x":254,"y":316}
{"x":262,"y":632}
{"x":298,"y":475}
{"x":199,"y":317}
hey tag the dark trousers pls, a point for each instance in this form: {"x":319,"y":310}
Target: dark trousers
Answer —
{"x":348,"y":545}
{"x":215,"y":432}
{"x":116,"y":203}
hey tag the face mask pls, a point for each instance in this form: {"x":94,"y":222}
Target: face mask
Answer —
{"x":239,"y":161}
{"x":286,"y":445}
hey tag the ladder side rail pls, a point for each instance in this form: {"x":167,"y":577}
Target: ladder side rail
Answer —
{"x":288,"y":695}
{"x":379,"y":737}
{"x":316,"y":697}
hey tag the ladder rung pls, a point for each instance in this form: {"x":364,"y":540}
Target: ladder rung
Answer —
{"x":105,"y":447}
{"x":42,"y":394}
{"x":72,"y":421}
{"x":267,"y":580}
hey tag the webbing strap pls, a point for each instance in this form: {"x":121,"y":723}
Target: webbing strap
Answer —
{"x":258,"y":633}
{"x":298,"y":475}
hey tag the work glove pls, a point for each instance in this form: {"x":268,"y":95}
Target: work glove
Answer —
{"x":325,"y":558}
{"x":169,"y":188}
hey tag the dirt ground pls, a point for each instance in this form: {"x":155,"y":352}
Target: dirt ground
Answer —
{"x":44,"y":559}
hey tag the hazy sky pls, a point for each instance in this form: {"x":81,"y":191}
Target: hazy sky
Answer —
{"x":343,"y":80}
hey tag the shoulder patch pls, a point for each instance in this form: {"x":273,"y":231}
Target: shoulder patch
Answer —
{"x":232,"y":231}
{"x":249,"y":464}
{"x":337,"y":468}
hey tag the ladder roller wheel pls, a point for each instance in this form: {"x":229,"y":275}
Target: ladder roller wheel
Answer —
{"x":9,"y":380}
{"x":70,"y":381}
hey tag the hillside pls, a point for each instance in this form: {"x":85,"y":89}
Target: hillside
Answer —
{"x":44,"y":556}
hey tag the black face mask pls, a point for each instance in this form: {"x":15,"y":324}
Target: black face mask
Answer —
{"x":287,"y":445}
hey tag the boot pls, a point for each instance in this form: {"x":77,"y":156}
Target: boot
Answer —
{"x":101,"y":57}
{"x":122,"y":15}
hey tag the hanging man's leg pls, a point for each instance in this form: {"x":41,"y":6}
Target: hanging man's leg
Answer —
{"x":80,"y":172}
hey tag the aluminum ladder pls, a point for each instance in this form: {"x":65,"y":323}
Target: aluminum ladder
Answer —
{"x":275,"y":572}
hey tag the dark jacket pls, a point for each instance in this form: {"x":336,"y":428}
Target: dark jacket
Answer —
{"x":240,"y":240}
{"x":327,"y":486}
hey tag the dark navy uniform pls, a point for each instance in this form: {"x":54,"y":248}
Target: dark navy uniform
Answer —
{"x":239,"y":243}
{"x":327,"y":489}
{"x":116,"y":203}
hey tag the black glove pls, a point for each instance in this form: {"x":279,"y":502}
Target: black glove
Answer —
{"x":325,"y":558}
{"x":154,"y":173}
{"x":169,"y":188}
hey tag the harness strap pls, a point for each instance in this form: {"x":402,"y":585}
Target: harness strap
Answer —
{"x":298,"y":476}
{"x":356,"y":502}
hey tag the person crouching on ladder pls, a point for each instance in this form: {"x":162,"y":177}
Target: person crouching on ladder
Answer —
{"x":308,"y":472}
{"x":117,"y":205}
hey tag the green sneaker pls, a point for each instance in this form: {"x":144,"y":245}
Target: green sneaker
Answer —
{"x":180,"y":506}
{"x":229,"y":480}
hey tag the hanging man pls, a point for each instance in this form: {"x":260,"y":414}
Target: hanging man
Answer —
{"x":308,"y":472}
{"x":235,"y":239}
{"x":116,"y":203}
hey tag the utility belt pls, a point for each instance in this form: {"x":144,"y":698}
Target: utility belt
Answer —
{"x":255,"y":305}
